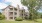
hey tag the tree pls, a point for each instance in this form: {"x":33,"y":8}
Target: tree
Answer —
{"x":40,"y":4}
{"x":0,"y":13}
{"x":2,"y":16}
{"x":33,"y":6}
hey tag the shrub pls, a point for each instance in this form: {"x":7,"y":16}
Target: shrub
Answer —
{"x":18,"y":19}
{"x":26,"y":17}
{"x":2,"y":17}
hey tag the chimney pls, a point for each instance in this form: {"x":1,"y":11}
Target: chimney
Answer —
{"x":18,"y":6}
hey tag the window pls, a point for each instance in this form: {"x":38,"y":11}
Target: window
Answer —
{"x":14,"y":17}
{"x":22,"y":14}
{"x":10,"y":13}
{"x":11,"y":17}
{"x":22,"y":10}
{"x":11,"y":8}
{"x":15,"y":9}
{"x":15,"y":13}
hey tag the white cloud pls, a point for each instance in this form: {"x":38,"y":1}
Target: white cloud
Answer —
{"x":13,"y":3}
{"x":2,"y":5}
{"x":9,"y":0}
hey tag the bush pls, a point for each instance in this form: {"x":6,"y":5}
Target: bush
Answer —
{"x":2,"y":17}
{"x":19,"y":19}
{"x":26,"y":17}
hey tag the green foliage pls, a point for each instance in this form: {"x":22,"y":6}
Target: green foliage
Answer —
{"x":2,"y":17}
{"x":39,"y":15}
{"x":0,"y":13}
{"x":26,"y":17}
{"x":19,"y":19}
{"x":32,"y":7}
{"x":30,"y":17}
{"x":24,"y":2}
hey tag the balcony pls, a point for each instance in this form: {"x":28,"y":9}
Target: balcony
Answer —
{"x":10,"y":9}
{"x":10,"y":14}
{"x":15,"y":9}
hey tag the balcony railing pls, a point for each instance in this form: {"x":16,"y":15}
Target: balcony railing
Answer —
{"x":10,"y":9}
{"x":10,"y":15}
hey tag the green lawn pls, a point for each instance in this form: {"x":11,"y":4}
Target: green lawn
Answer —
{"x":25,"y":21}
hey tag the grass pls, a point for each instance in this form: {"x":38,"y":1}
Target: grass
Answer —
{"x":25,"y":21}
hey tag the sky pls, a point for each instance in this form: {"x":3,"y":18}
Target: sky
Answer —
{"x":5,"y":3}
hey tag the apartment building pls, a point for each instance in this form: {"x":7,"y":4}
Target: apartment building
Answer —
{"x":12,"y":12}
